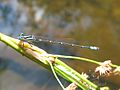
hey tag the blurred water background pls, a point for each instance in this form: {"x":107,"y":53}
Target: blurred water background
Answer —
{"x":85,"y":22}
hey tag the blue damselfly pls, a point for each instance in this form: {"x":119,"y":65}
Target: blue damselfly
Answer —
{"x":33,"y":38}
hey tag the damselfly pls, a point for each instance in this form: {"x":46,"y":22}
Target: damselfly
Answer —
{"x":33,"y":38}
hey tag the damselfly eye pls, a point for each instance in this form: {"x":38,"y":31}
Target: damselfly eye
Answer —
{"x":21,"y":34}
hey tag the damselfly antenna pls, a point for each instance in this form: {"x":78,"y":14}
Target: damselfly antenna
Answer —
{"x":32,"y":38}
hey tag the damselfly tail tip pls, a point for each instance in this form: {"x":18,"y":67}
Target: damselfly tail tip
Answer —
{"x":94,"y":48}
{"x":91,"y":47}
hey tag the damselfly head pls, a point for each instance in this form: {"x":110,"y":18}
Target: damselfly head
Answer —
{"x":20,"y":37}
